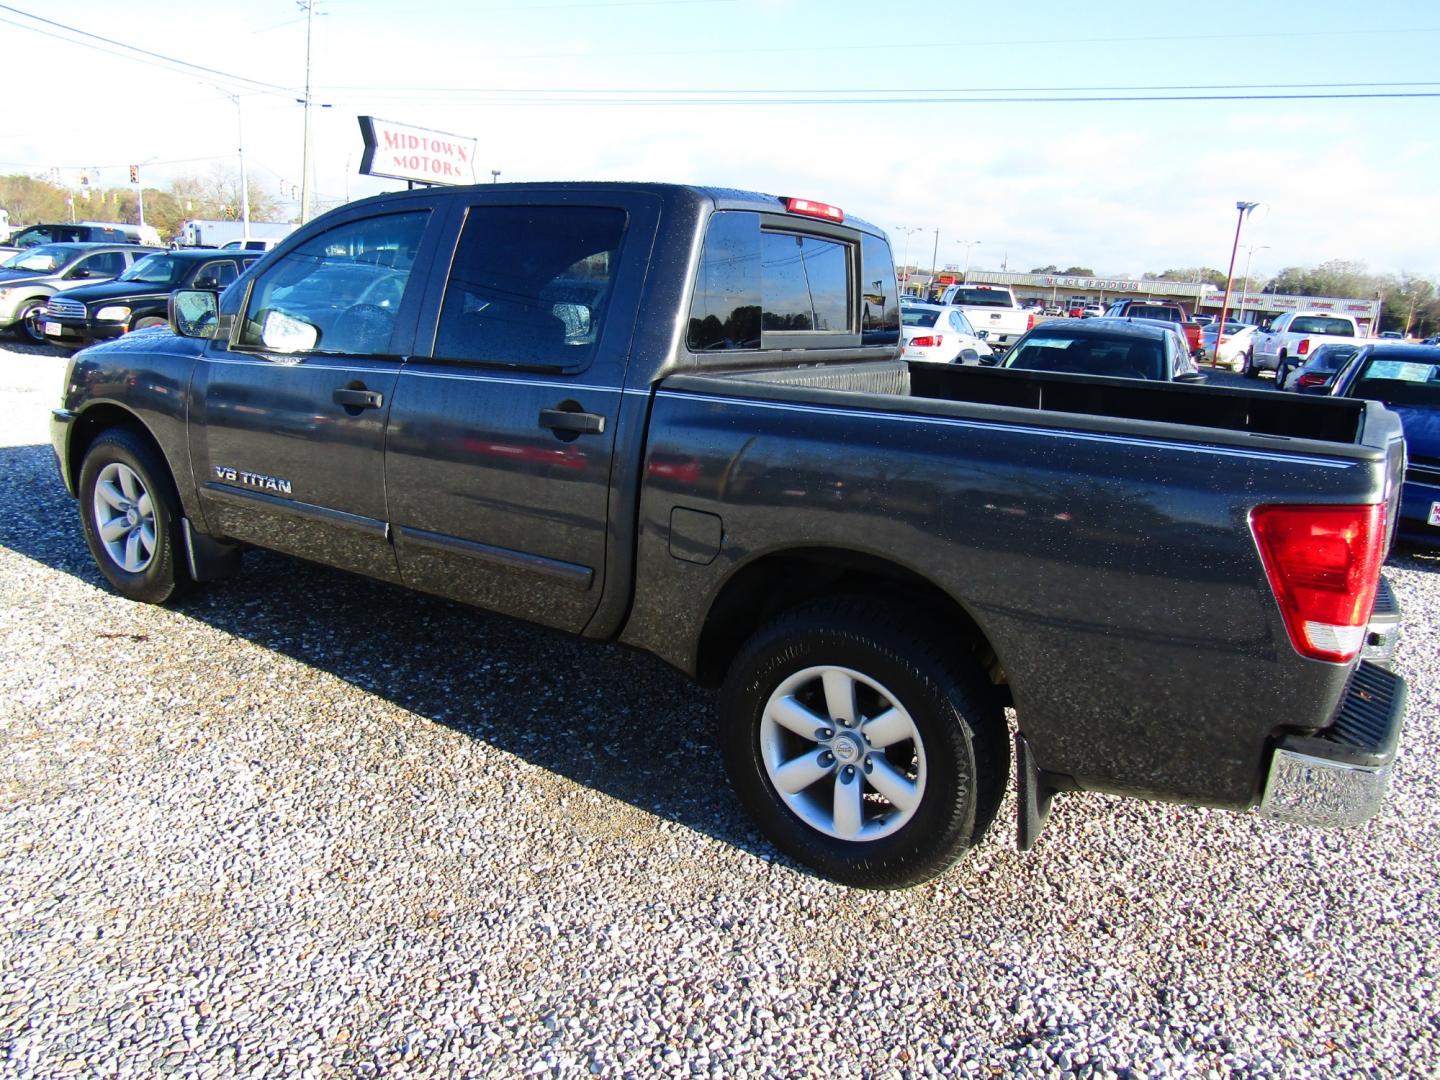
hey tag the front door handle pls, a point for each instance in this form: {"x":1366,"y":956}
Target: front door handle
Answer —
{"x":581,"y":423}
{"x":359,"y":399}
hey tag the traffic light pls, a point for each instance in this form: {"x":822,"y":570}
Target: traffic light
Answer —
{"x":134,"y":174}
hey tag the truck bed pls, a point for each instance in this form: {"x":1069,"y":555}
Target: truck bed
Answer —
{"x":1074,"y":400}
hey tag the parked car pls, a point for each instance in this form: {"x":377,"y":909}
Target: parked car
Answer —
{"x":1392,"y":335}
{"x":1406,"y":380}
{"x":84,"y":232}
{"x":1205,"y":320}
{"x":872,"y":559}
{"x":1288,"y":339}
{"x":991,"y":308}
{"x":940,"y":333}
{"x":29,"y":278}
{"x":1171,"y":311}
{"x":1118,"y":348}
{"x":1093,"y":311}
{"x":1230,"y":350}
{"x":138,"y":297}
{"x":1316,"y":375}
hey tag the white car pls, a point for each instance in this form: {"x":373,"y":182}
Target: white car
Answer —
{"x":1234,"y":343}
{"x":940,"y":333}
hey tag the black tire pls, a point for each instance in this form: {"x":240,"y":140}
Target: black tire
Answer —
{"x":29,"y":325}
{"x":162,"y":575}
{"x":1249,"y":369}
{"x":1282,"y":364}
{"x":957,"y":715}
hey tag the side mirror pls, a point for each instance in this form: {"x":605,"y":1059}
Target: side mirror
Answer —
{"x":983,"y":335}
{"x":78,"y":274}
{"x":194,"y":313}
{"x":968,"y":356}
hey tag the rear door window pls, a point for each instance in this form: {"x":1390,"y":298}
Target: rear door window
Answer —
{"x":530,"y":285}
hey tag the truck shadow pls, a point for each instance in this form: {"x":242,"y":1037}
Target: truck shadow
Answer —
{"x":615,"y":720}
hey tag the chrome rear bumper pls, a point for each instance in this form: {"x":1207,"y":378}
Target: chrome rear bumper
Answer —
{"x":1338,"y":777}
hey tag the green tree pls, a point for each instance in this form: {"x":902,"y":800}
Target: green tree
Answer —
{"x":1051,"y":269}
{"x":1078,"y":271}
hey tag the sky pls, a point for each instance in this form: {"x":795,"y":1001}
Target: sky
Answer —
{"x":907,"y":117}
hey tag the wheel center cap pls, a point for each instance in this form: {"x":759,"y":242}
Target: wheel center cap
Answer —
{"x":132,"y":517}
{"x":846,"y":749}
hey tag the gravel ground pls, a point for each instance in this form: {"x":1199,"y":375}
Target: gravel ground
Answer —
{"x":303,"y":824}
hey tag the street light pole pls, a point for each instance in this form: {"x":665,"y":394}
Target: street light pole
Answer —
{"x":1244,"y":208}
{"x":908,"y":230}
{"x":1245,"y":288}
{"x":968,"y":245}
{"x":935,"y":259}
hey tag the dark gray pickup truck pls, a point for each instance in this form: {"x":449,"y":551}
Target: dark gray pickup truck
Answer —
{"x":674,"y":417}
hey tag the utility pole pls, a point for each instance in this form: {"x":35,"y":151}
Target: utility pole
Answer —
{"x":309,"y":6}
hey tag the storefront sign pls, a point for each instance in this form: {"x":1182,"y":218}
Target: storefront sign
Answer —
{"x":402,"y":152}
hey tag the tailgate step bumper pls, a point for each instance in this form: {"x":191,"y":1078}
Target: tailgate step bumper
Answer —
{"x":1339,"y":776}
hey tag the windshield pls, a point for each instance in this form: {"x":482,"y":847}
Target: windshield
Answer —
{"x":914,"y":316}
{"x":42,"y":260}
{"x":155,"y":270}
{"x":983,"y":297}
{"x":1399,"y":382}
{"x":1119,"y":357}
{"x":1320,"y":324}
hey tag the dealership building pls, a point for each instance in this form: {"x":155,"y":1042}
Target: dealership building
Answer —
{"x":1066,"y":291}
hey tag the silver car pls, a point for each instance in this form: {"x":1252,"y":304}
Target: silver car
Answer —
{"x":28,"y":279}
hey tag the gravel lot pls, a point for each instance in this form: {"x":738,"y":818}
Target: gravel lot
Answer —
{"x":303,"y":824}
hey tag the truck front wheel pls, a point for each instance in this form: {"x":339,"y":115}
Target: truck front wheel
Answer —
{"x":132,"y":517}
{"x":860,"y":746}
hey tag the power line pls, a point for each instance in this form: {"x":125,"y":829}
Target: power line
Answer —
{"x":132,"y":48}
{"x":917,"y":100}
{"x":970,"y":45}
{"x":894,"y":90}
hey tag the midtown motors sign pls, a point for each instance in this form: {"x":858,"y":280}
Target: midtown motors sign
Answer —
{"x":403,"y":152}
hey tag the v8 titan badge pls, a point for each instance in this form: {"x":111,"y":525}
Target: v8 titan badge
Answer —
{"x":1435,"y":513}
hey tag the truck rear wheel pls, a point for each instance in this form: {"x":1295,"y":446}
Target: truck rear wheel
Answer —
{"x":860,"y":747}
{"x":132,"y":517}
{"x":1249,"y":369}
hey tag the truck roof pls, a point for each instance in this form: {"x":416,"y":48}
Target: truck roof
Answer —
{"x":721,"y":198}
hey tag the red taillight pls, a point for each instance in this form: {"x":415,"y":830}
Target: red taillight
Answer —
{"x":1223,"y":339}
{"x":1312,"y":378}
{"x":1323,"y":563}
{"x":814,"y":209}
{"x":1304,"y":347}
{"x":1030,"y":322}
{"x":929,"y":341}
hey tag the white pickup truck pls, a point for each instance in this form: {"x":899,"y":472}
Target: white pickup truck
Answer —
{"x":992,"y":311}
{"x":1287,"y":341}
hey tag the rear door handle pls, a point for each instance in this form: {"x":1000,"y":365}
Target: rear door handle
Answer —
{"x":582,"y":423}
{"x":359,"y":399}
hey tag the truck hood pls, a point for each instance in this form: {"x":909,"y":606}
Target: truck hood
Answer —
{"x":113,"y":290}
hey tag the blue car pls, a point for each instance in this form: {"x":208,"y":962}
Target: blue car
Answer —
{"x":1406,"y":378}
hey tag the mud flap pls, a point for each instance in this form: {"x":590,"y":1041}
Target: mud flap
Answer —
{"x":1033,"y":796}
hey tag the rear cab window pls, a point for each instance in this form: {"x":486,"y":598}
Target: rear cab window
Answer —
{"x":768,"y":281}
